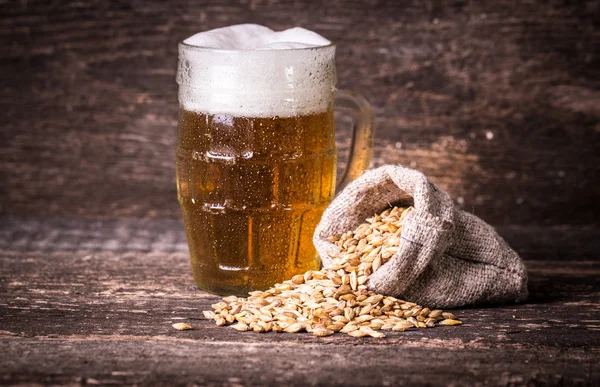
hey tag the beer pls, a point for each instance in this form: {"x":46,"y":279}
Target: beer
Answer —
{"x":252,"y":191}
{"x":256,"y":156}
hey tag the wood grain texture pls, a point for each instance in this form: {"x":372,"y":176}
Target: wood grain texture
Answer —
{"x":496,"y":101}
{"x":167,"y":235}
{"x":102,"y":314}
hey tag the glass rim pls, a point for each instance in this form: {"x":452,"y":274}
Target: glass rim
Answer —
{"x":191,"y":47}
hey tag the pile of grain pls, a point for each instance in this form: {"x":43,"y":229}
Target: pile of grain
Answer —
{"x":336,"y":299}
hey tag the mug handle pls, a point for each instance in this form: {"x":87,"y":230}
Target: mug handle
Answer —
{"x":361,"y":147}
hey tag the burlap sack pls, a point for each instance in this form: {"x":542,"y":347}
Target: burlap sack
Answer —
{"x":447,"y":257}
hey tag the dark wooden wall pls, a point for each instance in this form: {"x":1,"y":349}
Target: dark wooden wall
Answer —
{"x":497,"y":101}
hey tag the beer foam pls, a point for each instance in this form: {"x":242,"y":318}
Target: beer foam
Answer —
{"x":250,"y":70}
{"x":256,"y":37}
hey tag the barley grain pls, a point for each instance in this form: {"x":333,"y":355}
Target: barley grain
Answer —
{"x":448,"y":315}
{"x":182,"y":326}
{"x":336,"y":298}
{"x":449,"y":322}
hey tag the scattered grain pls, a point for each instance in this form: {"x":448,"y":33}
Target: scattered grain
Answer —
{"x":182,"y":326}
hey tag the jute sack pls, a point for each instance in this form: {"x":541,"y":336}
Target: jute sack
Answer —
{"x":447,"y":257}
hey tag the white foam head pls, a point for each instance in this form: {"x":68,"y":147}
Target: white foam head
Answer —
{"x":256,"y":37}
{"x":250,"y":70}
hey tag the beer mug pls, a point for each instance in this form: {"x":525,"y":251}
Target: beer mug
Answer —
{"x":256,"y":160}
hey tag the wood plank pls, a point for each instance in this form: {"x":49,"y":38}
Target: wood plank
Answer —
{"x":142,"y":294}
{"x":113,"y":293}
{"x":76,"y":361}
{"x":167,"y":235}
{"x":497,"y":102}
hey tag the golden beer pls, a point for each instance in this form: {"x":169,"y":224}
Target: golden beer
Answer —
{"x":256,"y":155}
{"x":250,"y":219}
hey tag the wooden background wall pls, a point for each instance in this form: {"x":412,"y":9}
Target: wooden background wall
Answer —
{"x":497,"y":101}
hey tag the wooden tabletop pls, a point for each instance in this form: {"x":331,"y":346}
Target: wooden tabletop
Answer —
{"x":93,"y":301}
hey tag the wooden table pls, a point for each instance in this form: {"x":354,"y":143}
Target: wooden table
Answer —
{"x":92,"y":302}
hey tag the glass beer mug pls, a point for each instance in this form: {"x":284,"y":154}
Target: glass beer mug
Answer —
{"x":256,"y":160}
